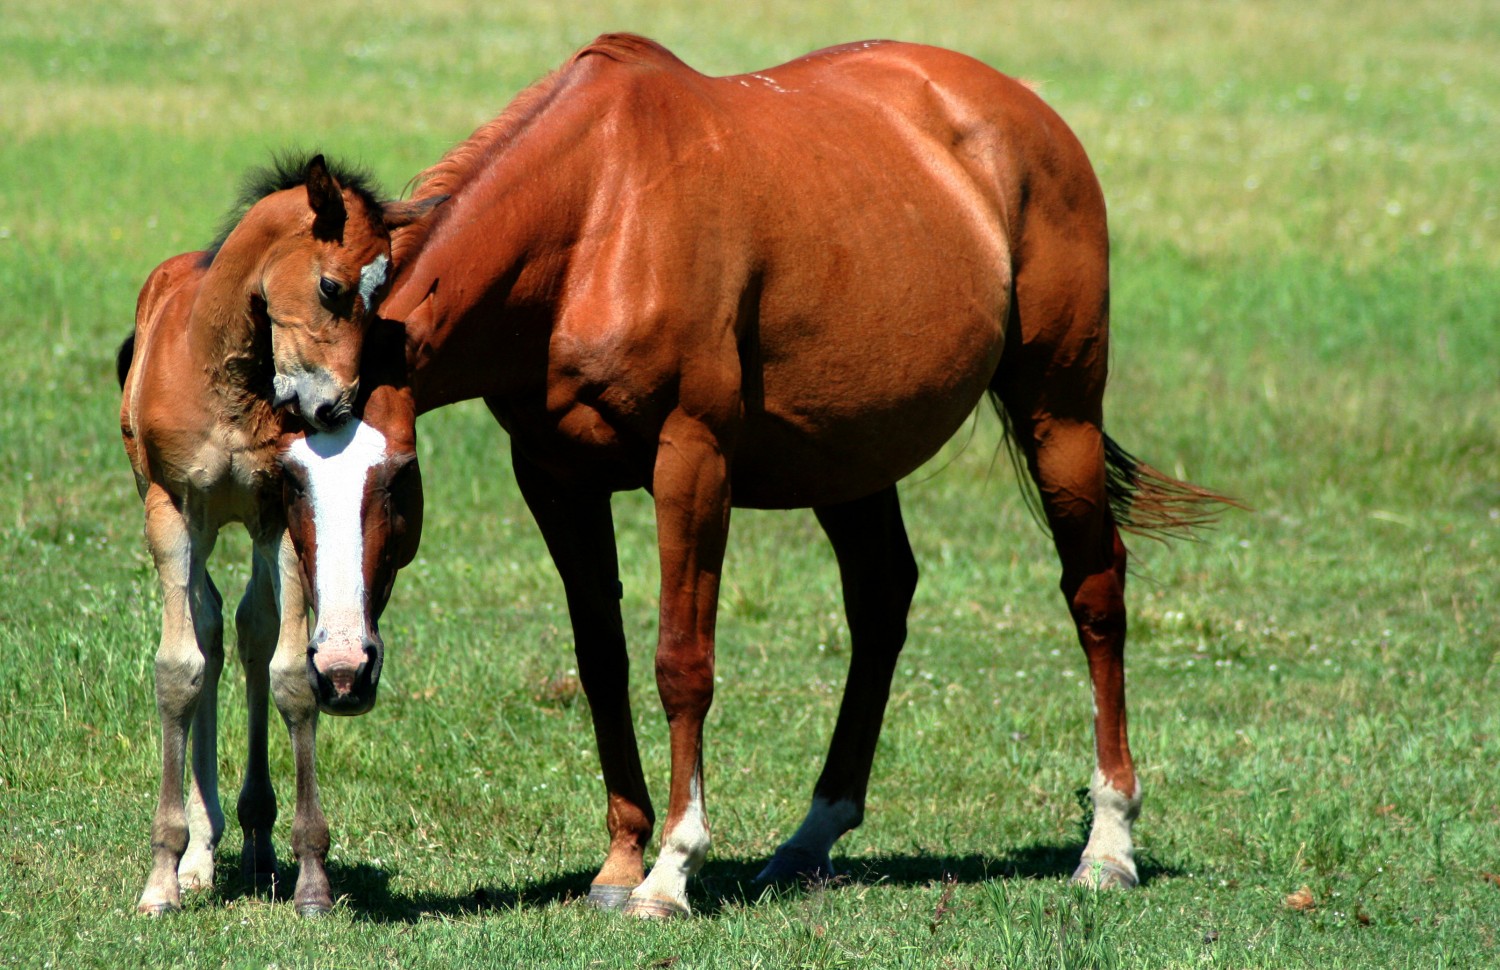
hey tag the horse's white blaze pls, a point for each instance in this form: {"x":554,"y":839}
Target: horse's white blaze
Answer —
{"x":372,"y":277}
{"x":683,"y":850}
{"x":336,"y":465}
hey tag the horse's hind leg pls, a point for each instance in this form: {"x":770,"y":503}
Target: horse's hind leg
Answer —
{"x":187,"y":660}
{"x":256,"y":621}
{"x":879,"y":576}
{"x":579,"y":533}
{"x":1066,"y":454}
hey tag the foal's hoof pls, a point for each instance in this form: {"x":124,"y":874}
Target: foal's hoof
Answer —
{"x":314,"y":909}
{"x":1104,"y":874}
{"x":161,"y":908}
{"x":791,"y":865}
{"x":655,"y":907}
{"x":608,"y":898}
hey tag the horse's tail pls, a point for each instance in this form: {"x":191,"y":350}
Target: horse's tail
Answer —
{"x":1148,"y":502}
{"x":123,"y":358}
{"x":1143,"y":500}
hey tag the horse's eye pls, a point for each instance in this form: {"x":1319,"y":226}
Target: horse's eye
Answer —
{"x":331,"y":289}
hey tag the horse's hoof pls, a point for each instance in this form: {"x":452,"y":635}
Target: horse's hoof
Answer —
{"x":258,"y":865}
{"x":1105,"y":874}
{"x":314,"y":910}
{"x":790,"y":866}
{"x":608,"y":898}
{"x":655,"y":907}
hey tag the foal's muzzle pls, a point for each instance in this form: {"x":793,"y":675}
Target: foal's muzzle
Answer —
{"x":316,"y":397}
{"x":346,"y":685}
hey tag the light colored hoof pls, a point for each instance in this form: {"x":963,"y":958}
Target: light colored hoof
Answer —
{"x":157,"y":908}
{"x":195,"y":872}
{"x":607,"y":898}
{"x":1105,"y":874}
{"x":791,"y":865}
{"x":655,"y":907}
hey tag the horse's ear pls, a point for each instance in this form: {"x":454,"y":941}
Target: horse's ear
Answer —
{"x":326,"y":199}
{"x":397,"y":215}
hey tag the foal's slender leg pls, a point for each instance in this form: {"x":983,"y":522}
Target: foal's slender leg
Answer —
{"x":879,"y":577}
{"x":299,"y":709}
{"x":691,"y":487}
{"x":184,"y":663}
{"x":258,"y":626}
{"x":580,"y":535}
{"x":205,"y":816}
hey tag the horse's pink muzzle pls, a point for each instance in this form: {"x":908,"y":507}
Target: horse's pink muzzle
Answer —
{"x":344,"y":676}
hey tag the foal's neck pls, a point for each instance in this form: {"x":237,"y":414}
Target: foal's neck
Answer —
{"x":229,"y":334}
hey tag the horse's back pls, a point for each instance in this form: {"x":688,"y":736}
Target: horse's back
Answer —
{"x":859,"y":207}
{"x":161,"y":312}
{"x":827,"y":249}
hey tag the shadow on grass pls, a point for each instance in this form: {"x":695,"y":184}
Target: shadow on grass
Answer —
{"x":720,"y":885}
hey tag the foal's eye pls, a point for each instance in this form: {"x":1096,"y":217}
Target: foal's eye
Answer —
{"x":331,"y":289}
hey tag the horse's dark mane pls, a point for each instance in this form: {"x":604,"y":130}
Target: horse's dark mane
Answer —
{"x":288,"y":170}
{"x":461,"y":162}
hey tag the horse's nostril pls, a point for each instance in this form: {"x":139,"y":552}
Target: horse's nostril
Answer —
{"x":324,"y":414}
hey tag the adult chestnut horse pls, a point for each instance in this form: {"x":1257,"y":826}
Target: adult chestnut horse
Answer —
{"x":784,"y":289}
{"x":208,"y":449}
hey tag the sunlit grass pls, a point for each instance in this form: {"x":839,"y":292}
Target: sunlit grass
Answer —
{"x":1305,"y":275}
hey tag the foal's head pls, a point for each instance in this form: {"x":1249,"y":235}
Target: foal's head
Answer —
{"x":354,"y":507}
{"x":313,"y":247}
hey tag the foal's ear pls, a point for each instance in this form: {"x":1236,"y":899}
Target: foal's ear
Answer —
{"x":326,"y":199}
{"x":397,"y":215}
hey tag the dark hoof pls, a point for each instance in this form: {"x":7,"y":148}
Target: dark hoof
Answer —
{"x":608,"y":898}
{"x":1104,"y":874}
{"x":794,"y":866}
{"x":259,"y":875}
{"x":315,"y":910}
{"x":655,"y":907}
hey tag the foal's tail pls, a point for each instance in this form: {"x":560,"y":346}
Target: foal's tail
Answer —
{"x":123,"y":358}
{"x":1143,"y":500}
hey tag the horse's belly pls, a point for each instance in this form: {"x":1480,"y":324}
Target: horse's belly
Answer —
{"x":829,"y":428}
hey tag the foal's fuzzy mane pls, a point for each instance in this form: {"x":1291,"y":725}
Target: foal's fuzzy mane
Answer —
{"x":287,"y":170}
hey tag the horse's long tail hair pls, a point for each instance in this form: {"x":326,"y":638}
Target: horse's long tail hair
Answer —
{"x":1143,"y":500}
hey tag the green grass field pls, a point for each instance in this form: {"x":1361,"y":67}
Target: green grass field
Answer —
{"x":1305,"y":203}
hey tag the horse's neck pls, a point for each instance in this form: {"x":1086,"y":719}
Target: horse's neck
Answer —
{"x":476,"y":298}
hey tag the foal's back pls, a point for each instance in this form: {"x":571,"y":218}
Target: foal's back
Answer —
{"x":214,"y":454}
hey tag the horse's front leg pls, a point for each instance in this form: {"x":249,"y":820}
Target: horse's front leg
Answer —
{"x":188,"y":660}
{"x":579,"y":532}
{"x":691,"y":488}
{"x":293,"y":693}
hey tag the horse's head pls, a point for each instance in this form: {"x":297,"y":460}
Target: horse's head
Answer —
{"x":315,"y":245}
{"x":354,"y":508}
